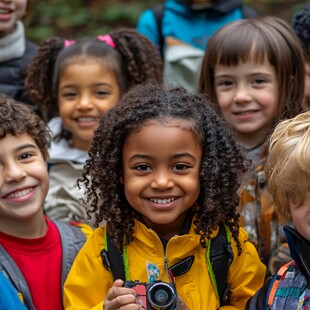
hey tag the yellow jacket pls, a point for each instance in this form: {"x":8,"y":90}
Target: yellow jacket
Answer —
{"x":88,"y":281}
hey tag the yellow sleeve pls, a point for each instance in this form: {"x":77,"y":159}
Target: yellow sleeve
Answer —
{"x":88,"y":281}
{"x":246,"y":273}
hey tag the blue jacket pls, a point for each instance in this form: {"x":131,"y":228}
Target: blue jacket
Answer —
{"x":192,"y":26}
{"x":8,"y":296}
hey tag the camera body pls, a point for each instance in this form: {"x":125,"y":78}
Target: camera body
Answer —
{"x":156,"y":295}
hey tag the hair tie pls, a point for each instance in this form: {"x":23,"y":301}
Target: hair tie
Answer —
{"x":107,"y":39}
{"x":67,"y":43}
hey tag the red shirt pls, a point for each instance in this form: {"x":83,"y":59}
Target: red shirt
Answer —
{"x":40,"y":261}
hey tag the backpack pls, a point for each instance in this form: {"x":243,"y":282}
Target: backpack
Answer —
{"x":72,"y":239}
{"x":158,"y":11}
{"x":221,"y":257}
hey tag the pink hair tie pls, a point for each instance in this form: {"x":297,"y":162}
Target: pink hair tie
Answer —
{"x":67,"y":43}
{"x":107,"y":39}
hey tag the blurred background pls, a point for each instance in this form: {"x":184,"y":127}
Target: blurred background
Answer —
{"x":87,"y":18}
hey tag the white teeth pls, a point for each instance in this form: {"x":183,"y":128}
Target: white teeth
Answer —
{"x":162,"y":201}
{"x":4,"y":11}
{"x":87,"y":119}
{"x":19,"y":194}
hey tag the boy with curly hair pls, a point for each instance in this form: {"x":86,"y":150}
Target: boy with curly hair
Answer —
{"x":35,"y":253}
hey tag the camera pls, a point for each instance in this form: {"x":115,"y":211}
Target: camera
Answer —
{"x":156,"y":295}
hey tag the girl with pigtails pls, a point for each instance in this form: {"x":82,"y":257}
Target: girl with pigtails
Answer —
{"x":75,"y":83}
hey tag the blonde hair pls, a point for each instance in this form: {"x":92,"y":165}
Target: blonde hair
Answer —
{"x":288,"y":163}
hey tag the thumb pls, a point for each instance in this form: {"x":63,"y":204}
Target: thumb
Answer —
{"x":118,"y":283}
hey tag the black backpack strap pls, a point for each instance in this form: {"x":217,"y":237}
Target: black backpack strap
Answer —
{"x":112,"y":259}
{"x":11,"y":271}
{"x":158,"y":11}
{"x":221,"y":256}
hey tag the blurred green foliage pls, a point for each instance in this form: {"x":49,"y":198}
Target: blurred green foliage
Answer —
{"x":88,"y":18}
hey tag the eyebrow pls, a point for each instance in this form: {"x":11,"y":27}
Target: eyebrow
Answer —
{"x":92,"y":85}
{"x":26,"y":146}
{"x":149,"y":157}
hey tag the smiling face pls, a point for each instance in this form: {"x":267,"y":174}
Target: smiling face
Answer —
{"x":247,"y":96}
{"x":23,"y":180}
{"x":10,"y":12}
{"x":87,"y":90}
{"x":161,"y":164}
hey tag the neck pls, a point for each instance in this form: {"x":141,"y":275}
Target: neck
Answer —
{"x":34,"y":227}
{"x":250,"y":142}
{"x":168,"y":230}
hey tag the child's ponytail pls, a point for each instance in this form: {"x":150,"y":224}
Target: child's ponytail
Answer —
{"x":40,"y":76}
{"x":141,"y":58}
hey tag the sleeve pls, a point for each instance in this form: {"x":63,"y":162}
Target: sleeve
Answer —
{"x":246,"y":274}
{"x":147,"y":26}
{"x":88,"y":281}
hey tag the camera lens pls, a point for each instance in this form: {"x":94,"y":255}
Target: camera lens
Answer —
{"x":161,"y":296}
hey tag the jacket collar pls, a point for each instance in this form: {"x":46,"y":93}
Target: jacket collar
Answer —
{"x":300,"y":249}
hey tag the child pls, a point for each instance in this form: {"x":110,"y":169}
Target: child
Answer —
{"x":301,"y":26}
{"x":89,"y":77}
{"x":35,"y":253}
{"x":256,"y":82}
{"x":181,"y":29}
{"x":288,"y":175}
{"x":16,"y":52}
{"x":163,"y":172}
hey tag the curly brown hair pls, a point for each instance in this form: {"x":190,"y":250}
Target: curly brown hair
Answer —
{"x":221,"y":168}
{"x":134,"y":60}
{"x":16,"y":118}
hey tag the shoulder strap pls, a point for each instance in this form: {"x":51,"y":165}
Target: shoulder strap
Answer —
{"x":11,"y":271}
{"x":158,"y":11}
{"x":275,"y":282}
{"x":221,"y":256}
{"x":112,"y":259}
{"x":72,"y":239}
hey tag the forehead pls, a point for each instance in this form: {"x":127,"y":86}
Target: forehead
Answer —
{"x":11,"y":142}
{"x":162,"y":135}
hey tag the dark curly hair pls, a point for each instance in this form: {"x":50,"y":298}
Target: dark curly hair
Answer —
{"x":16,"y":118}
{"x":134,"y":60}
{"x":221,"y":168}
{"x":301,"y":25}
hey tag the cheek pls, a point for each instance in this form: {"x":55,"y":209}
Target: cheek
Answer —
{"x":224,"y":100}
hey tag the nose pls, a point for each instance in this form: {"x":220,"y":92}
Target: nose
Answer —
{"x":14,"y":173}
{"x":242,"y":95}
{"x":84,"y":102}
{"x":162,"y":180}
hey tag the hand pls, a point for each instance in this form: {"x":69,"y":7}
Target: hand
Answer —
{"x":120,"y":297}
